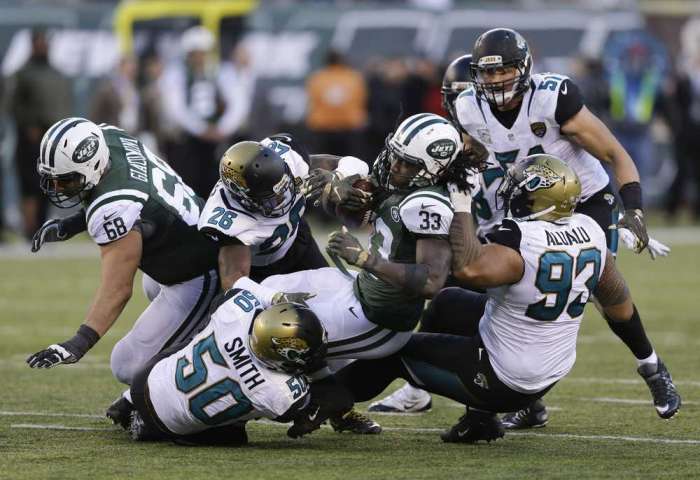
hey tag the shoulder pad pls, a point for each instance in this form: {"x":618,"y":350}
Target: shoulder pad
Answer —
{"x":112,"y":220}
{"x":427,"y":212}
{"x":220,"y":214}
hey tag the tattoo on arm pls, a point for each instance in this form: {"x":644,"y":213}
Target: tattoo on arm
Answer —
{"x":612,"y":288}
{"x":465,"y":245}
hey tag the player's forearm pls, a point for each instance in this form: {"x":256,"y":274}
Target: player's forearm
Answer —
{"x":416,"y":279}
{"x":465,"y":245}
{"x":234,"y":263}
{"x":108,"y":305}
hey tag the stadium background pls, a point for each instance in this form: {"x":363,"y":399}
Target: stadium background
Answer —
{"x":602,"y":423}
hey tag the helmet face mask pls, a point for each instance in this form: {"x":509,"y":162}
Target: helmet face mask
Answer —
{"x":427,"y":141}
{"x":259,"y":179}
{"x":540,"y":187}
{"x":73,"y":157}
{"x":499,"y":52}
{"x":288,"y":337}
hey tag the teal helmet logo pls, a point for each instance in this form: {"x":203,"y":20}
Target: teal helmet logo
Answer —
{"x":86,"y":149}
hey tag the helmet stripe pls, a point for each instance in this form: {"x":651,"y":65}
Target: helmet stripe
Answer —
{"x":57,"y":140}
{"x":423,"y":125}
{"x":47,"y":137}
{"x":415,"y":119}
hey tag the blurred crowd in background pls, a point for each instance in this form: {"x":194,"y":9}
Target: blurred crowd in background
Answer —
{"x":191,"y":108}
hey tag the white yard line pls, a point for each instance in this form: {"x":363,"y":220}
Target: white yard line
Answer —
{"x":4,"y":413}
{"x":620,"y":438}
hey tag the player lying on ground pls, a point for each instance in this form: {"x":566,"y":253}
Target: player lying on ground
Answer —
{"x":514,"y":114}
{"x":540,"y":269}
{"x":248,"y":363}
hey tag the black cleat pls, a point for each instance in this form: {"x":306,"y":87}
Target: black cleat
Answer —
{"x":140,"y":431}
{"x":474,"y":426}
{"x":120,"y":412}
{"x":534,"y":416}
{"x":355,"y":422}
{"x":667,"y":401}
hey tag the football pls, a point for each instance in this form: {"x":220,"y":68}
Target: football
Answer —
{"x":357,"y":218}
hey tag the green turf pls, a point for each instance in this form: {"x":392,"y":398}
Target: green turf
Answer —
{"x":43,"y":301}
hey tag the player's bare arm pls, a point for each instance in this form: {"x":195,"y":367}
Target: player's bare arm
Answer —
{"x":234,"y":263}
{"x":612,"y":293}
{"x":423,"y":278}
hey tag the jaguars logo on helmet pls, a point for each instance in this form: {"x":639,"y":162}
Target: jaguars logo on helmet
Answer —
{"x":288,"y":337}
{"x":426,"y":140}
{"x":540,"y":187}
{"x":258,"y":178}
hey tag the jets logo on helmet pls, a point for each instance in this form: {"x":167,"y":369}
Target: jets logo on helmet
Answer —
{"x":73,"y":156}
{"x":425,"y":140}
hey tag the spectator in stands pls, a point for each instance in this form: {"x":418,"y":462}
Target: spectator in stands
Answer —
{"x":208,"y":102}
{"x":337,"y":109}
{"x":686,"y":129}
{"x":637,"y":65}
{"x":158,"y":130}
{"x":117,"y":101}
{"x":38,"y":96}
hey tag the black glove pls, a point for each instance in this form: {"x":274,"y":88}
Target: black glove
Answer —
{"x":315,"y":183}
{"x":343,"y":244}
{"x":307,"y":421}
{"x":69,"y":351}
{"x":328,"y":398}
{"x":343,"y":194}
{"x":633,"y":220}
{"x":59,"y":229}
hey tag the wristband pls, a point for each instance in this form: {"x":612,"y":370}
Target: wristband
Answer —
{"x":631,"y":195}
{"x":362,"y":258}
{"x":85,"y":338}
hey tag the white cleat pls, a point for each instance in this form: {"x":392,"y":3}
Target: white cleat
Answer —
{"x":407,"y":399}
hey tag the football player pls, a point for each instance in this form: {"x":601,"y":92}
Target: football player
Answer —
{"x":456,"y":79}
{"x":540,"y":269}
{"x":246,"y":364}
{"x":371,"y":314}
{"x":515,"y":113}
{"x":141,"y":214}
{"x":255,"y":211}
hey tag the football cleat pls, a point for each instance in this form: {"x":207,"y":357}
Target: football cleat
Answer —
{"x":355,"y":422}
{"x":534,"y":416}
{"x":140,"y":431}
{"x":667,"y":401}
{"x":120,"y":412}
{"x":407,"y":399}
{"x":473,"y":426}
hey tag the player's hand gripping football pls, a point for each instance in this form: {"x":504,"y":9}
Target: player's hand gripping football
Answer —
{"x":343,"y":244}
{"x":343,"y":194}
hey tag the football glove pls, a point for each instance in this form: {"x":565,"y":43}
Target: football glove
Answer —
{"x":59,"y":229}
{"x":314,"y":184}
{"x":343,"y":244}
{"x":655,"y":248}
{"x":67,"y":352}
{"x":293,"y":297}
{"x":461,"y":200}
{"x":633,"y":220}
{"x":342,"y":193}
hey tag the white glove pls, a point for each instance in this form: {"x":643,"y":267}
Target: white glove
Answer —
{"x":655,"y":248}
{"x":461,"y":200}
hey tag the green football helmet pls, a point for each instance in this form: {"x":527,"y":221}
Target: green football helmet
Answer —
{"x":540,"y":187}
{"x":289,"y":337}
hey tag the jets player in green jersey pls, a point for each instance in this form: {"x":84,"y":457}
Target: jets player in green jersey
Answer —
{"x":142,"y":216}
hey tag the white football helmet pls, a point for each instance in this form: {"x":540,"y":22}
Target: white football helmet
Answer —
{"x":72,"y":158}
{"x":425,"y":139}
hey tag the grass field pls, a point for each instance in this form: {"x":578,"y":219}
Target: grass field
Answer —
{"x":602,"y":424}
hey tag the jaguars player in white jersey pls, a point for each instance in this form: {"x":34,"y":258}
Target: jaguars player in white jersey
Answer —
{"x":515,"y":114}
{"x":142,"y":216}
{"x":255,"y":212}
{"x":248,"y":363}
{"x":539,"y":270}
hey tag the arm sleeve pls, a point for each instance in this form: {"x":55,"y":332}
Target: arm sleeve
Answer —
{"x":507,"y":234}
{"x":569,"y":102}
{"x":427,"y":215}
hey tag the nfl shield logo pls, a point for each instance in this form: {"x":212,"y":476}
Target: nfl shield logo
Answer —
{"x":484,"y":135}
{"x":538,"y":128}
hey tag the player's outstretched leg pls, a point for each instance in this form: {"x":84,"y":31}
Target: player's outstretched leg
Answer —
{"x":473,"y":426}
